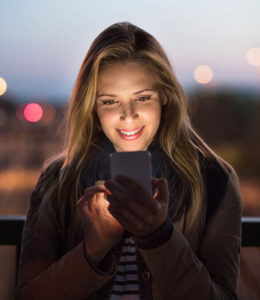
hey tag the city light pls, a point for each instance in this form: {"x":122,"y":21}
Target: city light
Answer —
{"x":3,"y":86}
{"x":33,"y":112}
{"x":253,"y":56}
{"x":203,"y":74}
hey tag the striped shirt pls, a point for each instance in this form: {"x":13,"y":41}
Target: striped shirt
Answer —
{"x":125,"y":286}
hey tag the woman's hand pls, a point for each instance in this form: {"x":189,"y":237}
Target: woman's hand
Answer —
{"x":102,"y":230}
{"x":141,"y":214}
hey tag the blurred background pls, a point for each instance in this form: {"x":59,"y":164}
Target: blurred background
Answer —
{"x":214,"y":48}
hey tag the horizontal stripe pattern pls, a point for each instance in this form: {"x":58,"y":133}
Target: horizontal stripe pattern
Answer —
{"x":125,"y":285}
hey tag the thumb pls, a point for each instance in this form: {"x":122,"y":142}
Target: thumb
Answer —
{"x":162,"y":191}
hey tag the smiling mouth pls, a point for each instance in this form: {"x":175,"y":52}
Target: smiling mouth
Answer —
{"x":131,"y":134}
{"x":131,"y":131}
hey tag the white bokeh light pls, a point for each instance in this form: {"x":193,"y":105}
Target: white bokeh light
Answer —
{"x":3,"y":86}
{"x":203,"y":74}
{"x":253,"y":56}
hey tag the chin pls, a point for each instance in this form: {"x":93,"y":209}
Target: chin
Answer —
{"x":132,"y":148}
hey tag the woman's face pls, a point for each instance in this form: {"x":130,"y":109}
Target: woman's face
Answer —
{"x":128,"y":101}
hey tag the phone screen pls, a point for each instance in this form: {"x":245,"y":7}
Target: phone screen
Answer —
{"x":135,"y":165}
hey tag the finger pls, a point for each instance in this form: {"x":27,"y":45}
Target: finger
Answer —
{"x":123,"y":197}
{"x":137,"y":204}
{"x":126,"y":219}
{"x":154,"y":182}
{"x":161,"y":185}
{"x":90,"y":192}
{"x":131,"y":185}
{"x":100,"y":183}
{"x":96,"y":189}
{"x":128,"y":204}
{"x":84,"y":199}
{"x":133,"y":189}
{"x":85,"y":203}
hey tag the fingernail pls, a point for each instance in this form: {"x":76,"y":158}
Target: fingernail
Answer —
{"x":108,"y":192}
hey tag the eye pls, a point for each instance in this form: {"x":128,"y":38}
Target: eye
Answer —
{"x":144,"y":98}
{"x":140,"y":99}
{"x":107,"y":102}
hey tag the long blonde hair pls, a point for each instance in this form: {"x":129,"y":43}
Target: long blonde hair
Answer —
{"x":176,"y":137}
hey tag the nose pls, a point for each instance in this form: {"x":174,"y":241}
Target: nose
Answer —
{"x":128,"y":111}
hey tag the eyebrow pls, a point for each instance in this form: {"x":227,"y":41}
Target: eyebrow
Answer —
{"x":136,"y":93}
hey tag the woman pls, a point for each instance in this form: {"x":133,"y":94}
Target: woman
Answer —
{"x":83,"y":238}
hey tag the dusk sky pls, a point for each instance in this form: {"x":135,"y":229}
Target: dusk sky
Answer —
{"x":43,"y":43}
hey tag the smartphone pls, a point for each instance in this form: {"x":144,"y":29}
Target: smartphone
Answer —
{"x":135,"y":165}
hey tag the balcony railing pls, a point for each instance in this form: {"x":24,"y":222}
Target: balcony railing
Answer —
{"x":11,"y":228}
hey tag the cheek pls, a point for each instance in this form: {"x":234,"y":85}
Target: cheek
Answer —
{"x":106,"y":118}
{"x":153,"y":114}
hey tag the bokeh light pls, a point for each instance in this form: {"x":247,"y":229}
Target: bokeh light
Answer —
{"x":3,"y":86}
{"x":33,"y":112}
{"x":203,"y":74}
{"x":44,"y":112}
{"x":253,"y":56}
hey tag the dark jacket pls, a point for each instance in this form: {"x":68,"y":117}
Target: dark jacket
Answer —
{"x":202,"y":264}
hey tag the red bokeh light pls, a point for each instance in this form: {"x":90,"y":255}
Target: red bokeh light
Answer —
{"x":33,"y":112}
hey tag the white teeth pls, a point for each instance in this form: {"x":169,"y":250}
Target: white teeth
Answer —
{"x":131,"y":133}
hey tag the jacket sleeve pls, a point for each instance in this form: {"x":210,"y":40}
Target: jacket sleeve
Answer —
{"x":44,"y":274}
{"x":178,"y":273}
